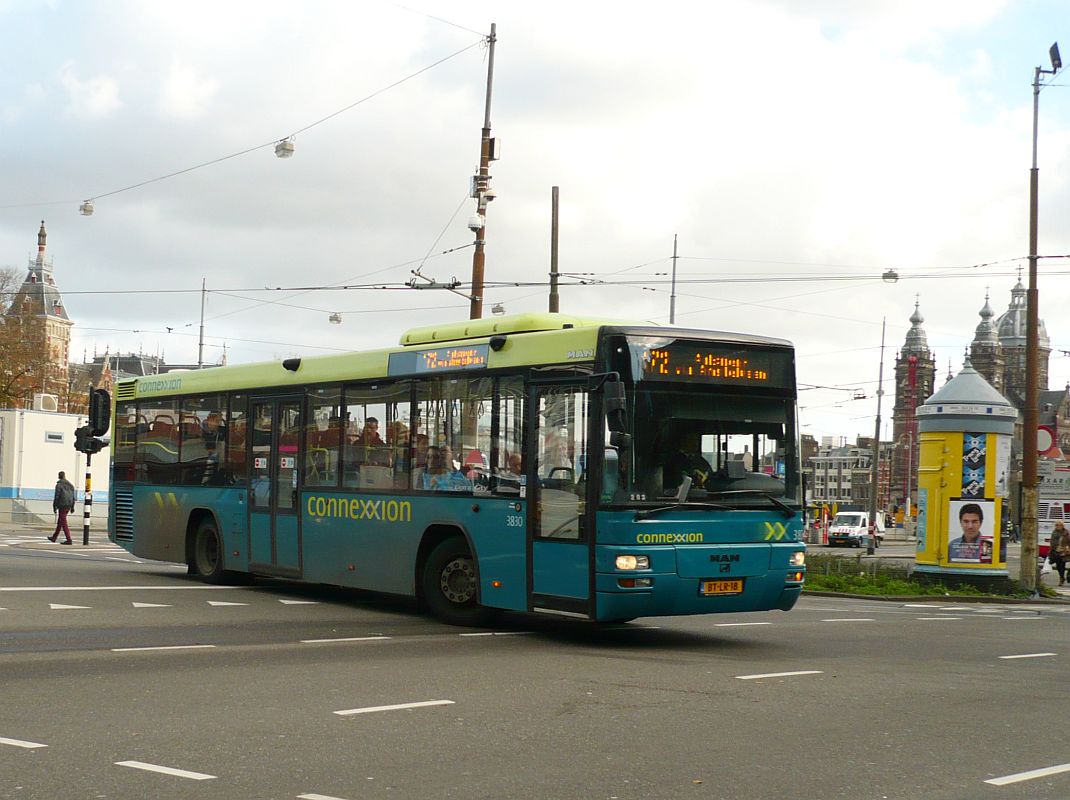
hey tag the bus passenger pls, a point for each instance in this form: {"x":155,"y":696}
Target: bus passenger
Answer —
{"x":442,"y":474}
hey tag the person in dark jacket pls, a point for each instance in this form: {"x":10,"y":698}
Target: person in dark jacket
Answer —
{"x":63,"y":504}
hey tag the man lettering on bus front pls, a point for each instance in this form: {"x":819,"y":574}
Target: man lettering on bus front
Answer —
{"x":968,"y":546}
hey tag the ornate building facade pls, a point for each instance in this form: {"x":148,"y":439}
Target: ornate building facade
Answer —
{"x":915,"y":378}
{"x":37,"y":334}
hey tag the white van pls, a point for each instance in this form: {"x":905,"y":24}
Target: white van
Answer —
{"x":852,"y":528}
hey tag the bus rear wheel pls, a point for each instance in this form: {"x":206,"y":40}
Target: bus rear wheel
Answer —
{"x":449,"y":585}
{"x":206,"y":560}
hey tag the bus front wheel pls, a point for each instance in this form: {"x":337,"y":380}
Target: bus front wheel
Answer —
{"x":449,"y":585}
{"x":206,"y":561}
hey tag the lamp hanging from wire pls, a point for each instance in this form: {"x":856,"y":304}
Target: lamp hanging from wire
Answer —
{"x":86,"y":208}
{"x":284,"y":148}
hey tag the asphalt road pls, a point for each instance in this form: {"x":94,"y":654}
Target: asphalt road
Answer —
{"x":121,"y":679}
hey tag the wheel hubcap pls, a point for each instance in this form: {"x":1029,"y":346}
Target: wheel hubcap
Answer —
{"x":458,"y":581}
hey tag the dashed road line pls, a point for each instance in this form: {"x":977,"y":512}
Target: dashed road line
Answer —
{"x":498,"y":633}
{"x":178,"y":773}
{"x":934,"y":619}
{"x":224,"y":603}
{"x":739,"y":624}
{"x":398,"y":707}
{"x":346,"y":639}
{"x":311,"y":796}
{"x":151,"y":605}
{"x":163,"y":647}
{"x":780,"y":674}
{"x":850,"y":619}
{"x":21,"y":743}
{"x":1031,"y":775}
{"x":299,"y":602}
{"x":1029,"y":655}
{"x":111,"y":588}
{"x":62,"y":607}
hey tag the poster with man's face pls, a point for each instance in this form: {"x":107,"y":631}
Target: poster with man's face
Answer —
{"x":971,"y":534}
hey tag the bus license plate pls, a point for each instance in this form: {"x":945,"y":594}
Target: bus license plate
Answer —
{"x":722,"y":587}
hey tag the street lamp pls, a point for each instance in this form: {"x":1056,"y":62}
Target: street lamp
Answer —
{"x":871,"y":540}
{"x":1028,"y":573}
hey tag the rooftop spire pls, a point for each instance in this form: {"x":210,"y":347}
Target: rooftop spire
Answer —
{"x":41,"y":236}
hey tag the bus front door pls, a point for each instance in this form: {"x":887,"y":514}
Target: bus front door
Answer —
{"x":560,"y":538}
{"x":274,"y":521}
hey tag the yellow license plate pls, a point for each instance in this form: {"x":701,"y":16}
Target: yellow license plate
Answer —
{"x":722,"y":587}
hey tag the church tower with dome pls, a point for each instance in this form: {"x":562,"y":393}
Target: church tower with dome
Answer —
{"x":915,"y":380}
{"x":1011,"y":329}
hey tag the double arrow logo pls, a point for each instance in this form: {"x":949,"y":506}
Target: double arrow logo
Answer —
{"x":775,"y":530}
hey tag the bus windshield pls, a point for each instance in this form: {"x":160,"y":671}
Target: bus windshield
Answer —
{"x":737,"y":449}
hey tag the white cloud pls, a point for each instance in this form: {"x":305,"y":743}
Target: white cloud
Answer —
{"x":93,"y":98}
{"x":185,"y":95}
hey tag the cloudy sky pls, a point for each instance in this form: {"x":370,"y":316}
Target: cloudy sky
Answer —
{"x":797,"y":149}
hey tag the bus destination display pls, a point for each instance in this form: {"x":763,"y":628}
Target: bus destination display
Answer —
{"x":441,"y":359}
{"x":694,"y":363}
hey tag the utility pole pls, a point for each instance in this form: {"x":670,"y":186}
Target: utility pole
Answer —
{"x":486,"y":144}
{"x":555,"y":299}
{"x":871,"y":540}
{"x":200,"y":340}
{"x":672,"y":295}
{"x":1028,"y":574}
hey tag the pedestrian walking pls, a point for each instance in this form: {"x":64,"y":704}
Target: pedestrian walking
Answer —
{"x":63,"y":504}
{"x":1059,"y":550}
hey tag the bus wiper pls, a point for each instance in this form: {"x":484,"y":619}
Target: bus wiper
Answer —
{"x":784,"y":508}
{"x":692,"y":506}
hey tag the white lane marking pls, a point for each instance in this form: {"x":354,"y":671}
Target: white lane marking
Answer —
{"x":61,"y":607}
{"x":932,"y":619}
{"x":919,"y":605}
{"x":224,"y":603}
{"x":780,"y":674}
{"x":398,"y":707}
{"x":738,"y":624}
{"x":108,"y":588}
{"x":21,"y":743}
{"x":150,"y":605}
{"x":1022,"y":619}
{"x":163,"y":647}
{"x":346,"y":639}
{"x":850,"y":619}
{"x":116,"y":558}
{"x":299,"y":602}
{"x":1029,"y":655}
{"x":498,"y":633}
{"x":178,"y":773}
{"x":311,"y":796}
{"x":1028,"y":776}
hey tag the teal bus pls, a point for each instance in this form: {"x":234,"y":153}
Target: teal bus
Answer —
{"x":535,"y":463}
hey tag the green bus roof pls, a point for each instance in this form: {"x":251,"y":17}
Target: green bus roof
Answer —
{"x":529,"y":339}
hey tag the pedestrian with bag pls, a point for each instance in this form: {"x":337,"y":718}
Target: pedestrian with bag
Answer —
{"x":1059,"y":550}
{"x":63,"y":504}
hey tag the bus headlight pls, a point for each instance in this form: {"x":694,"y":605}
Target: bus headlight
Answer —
{"x":797,"y":559}
{"x":633,"y":562}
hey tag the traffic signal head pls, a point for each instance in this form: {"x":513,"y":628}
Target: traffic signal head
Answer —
{"x":83,"y":439}
{"x":99,"y":412}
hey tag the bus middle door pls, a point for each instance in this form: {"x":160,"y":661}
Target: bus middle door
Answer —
{"x":274,"y":518}
{"x":560,"y":536}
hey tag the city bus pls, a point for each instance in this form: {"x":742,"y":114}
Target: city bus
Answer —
{"x":519,"y":463}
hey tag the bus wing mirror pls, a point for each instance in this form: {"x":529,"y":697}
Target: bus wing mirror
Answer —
{"x":616,"y":406}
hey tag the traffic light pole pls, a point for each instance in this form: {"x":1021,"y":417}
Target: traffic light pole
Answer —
{"x":88,"y":506}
